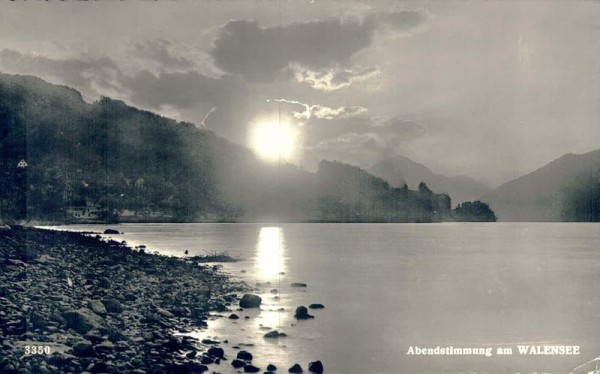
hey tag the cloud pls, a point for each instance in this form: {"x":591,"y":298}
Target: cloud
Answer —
{"x":160,"y":52}
{"x":262,"y":53}
{"x":364,"y":141}
{"x":322,"y":112}
{"x":331,"y":79}
{"x":181,"y":90}
{"x":87,"y":74}
{"x":203,"y":122}
{"x":402,"y":21}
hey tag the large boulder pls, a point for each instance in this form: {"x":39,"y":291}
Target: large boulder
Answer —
{"x":295,"y":369}
{"x":82,"y":320}
{"x":250,"y":301}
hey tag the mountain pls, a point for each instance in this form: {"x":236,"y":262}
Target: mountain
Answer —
{"x":109,"y":161}
{"x":400,"y":170}
{"x":65,"y":160}
{"x":554,"y":192}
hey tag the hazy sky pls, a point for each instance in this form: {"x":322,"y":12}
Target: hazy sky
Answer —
{"x":491,"y":90}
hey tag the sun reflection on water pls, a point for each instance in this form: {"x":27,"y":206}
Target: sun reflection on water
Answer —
{"x":270,"y":253}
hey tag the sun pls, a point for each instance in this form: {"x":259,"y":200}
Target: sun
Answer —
{"x":274,"y":140}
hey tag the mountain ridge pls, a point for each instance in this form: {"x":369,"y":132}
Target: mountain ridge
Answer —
{"x":541,"y":194}
{"x":401,"y":170}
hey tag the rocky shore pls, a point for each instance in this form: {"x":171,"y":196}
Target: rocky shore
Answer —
{"x":72,"y":303}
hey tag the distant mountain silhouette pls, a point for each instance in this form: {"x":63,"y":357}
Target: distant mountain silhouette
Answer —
{"x":554,"y":192}
{"x":401,"y":170}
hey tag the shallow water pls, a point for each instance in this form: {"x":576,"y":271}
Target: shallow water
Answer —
{"x":387,"y":287}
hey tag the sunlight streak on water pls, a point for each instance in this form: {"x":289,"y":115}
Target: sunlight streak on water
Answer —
{"x":270,"y":253}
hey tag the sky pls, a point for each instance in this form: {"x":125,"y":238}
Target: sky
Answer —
{"x":488,"y":89}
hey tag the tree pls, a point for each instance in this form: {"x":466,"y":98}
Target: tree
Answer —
{"x":474,"y":211}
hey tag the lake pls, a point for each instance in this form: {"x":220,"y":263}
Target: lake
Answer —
{"x":387,"y":287}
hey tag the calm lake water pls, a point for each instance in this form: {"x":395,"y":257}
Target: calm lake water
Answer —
{"x":387,"y":287}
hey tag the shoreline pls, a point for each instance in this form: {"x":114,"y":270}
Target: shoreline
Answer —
{"x":101,"y":306}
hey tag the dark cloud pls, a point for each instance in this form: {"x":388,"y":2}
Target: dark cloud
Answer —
{"x":87,"y":74}
{"x":263,"y":53}
{"x":159,"y":51}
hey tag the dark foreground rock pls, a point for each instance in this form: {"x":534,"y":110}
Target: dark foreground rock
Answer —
{"x":316,"y":367}
{"x":274,"y":335}
{"x":250,"y":301}
{"x":296,"y":368}
{"x":302,"y":313}
{"x":100,"y":306}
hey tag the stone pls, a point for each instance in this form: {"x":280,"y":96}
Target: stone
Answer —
{"x":233,"y":316}
{"x":57,"y":359}
{"x":238,"y":363}
{"x":38,"y":321}
{"x":216,"y":352}
{"x":315,"y":367}
{"x":82,"y":320}
{"x":113,"y":306}
{"x":191,"y":354}
{"x":271,"y":367}
{"x":251,"y":369}
{"x":99,"y":367}
{"x":111,"y":232}
{"x":295,"y":369}
{"x":195,"y":367}
{"x":165,"y":313}
{"x":105,"y":347}
{"x":250,"y":301}
{"x":244,"y":355}
{"x":83,"y":349}
{"x":316,"y":306}
{"x":299,"y":284}
{"x":206,"y":360}
{"x":274,"y":335}
{"x":97,"y":307}
{"x":302,"y":313}
{"x":15,"y":327}
{"x":94,"y":336}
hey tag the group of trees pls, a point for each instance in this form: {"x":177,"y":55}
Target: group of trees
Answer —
{"x":581,"y":199}
{"x":350,"y":194}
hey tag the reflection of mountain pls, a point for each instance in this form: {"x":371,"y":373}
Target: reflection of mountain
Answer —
{"x":564,"y":189}
{"x":62,"y":159}
{"x":401,"y":170}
